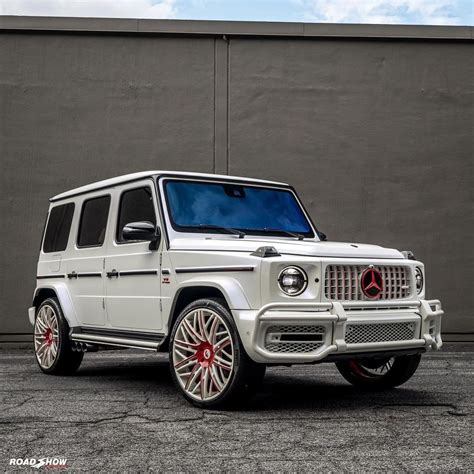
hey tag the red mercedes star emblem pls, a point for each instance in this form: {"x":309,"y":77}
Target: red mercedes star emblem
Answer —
{"x":371,"y":282}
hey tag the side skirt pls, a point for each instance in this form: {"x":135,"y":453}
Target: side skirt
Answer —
{"x":118,"y":338}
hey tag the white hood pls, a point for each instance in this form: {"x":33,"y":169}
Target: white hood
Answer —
{"x":309,"y":248}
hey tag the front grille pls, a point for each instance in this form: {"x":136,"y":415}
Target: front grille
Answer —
{"x":382,"y":332}
{"x":294,"y":338}
{"x":342,"y":282}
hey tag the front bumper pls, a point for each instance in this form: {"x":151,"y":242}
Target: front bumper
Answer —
{"x":309,"y":332}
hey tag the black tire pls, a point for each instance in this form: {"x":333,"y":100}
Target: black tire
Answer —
{"x":246,"y":375}
{"x":65,"y":361}
{"x":362,"y":373}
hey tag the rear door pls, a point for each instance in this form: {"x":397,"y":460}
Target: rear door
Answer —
{"x":132,"y":283}
{"x":56,"y":237}
{"x":84,"y":265}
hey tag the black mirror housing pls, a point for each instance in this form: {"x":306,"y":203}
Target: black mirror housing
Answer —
{"x":144,"y":230}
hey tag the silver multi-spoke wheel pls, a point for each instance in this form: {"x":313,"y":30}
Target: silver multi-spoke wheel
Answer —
{"x":203,"y":354}
{"x":46,"y":336}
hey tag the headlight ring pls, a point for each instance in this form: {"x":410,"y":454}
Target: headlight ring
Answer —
{"x":419,"y":280}
{"x":292,"y":280}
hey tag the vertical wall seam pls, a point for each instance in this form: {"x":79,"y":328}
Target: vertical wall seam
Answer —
{"x":228,"y":109}
{"x":214,"y":105}
{"x":221,"y":116}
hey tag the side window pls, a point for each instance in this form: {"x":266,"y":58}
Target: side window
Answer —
{"x":93,"y":222}
{"x":135,"y":205}
{"x":57,"y":231}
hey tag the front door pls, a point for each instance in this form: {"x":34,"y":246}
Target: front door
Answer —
{"x":132,"y":270}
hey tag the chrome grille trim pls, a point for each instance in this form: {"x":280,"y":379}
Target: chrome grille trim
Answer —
{"x":342,"y":282}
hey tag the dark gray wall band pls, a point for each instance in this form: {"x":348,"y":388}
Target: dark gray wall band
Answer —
{"x":371,"y":124}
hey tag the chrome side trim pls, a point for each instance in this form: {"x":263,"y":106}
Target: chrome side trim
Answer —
{"x":236,"y":268}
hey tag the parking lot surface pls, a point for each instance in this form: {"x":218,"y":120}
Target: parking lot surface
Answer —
{"x":121,"y":412}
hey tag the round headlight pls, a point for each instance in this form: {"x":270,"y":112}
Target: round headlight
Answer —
{"x":292,"y":281}
{"x":419,"y":280}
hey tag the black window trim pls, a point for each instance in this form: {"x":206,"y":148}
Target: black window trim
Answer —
{"x":308,"y":235}
{"x":46,"y":224}
{"x":43,"y":232}
{"x":119,"y":207}
{"x":79,"y":224}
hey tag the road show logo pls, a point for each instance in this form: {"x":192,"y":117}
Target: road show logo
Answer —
{"x":35,"y":463}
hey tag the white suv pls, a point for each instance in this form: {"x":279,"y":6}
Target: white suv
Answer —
{"x":228,"y":275}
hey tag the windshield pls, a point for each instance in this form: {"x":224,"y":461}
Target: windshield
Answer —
{"x":255,"y":210}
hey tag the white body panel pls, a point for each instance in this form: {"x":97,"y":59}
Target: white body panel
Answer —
{"x":142,"y":298}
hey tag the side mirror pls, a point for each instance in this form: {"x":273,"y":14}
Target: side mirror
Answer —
{"x":322,"y":236}
{"x":143,"y":231}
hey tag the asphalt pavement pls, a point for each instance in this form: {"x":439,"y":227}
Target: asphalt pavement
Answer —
{"x":121,"y":412}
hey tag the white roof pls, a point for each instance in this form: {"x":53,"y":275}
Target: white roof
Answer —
{"x":106,"y":183}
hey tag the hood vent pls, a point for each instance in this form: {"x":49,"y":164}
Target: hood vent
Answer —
{"x":264,"y":252}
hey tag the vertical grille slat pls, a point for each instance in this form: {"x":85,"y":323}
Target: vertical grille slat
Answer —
{"x":386,"y":289}
{"x":342,"y":282}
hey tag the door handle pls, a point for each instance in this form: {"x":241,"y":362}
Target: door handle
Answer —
{"x":113,"y":273}
{"x":73,"y":274}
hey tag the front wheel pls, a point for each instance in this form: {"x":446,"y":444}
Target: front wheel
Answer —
{"x":208,"y":362}
{"x":379,"y":373}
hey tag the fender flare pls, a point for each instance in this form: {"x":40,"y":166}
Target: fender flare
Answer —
{"x":230,"y":287}
{"x":65,"y":301}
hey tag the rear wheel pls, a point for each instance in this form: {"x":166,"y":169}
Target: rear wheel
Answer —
{"x":53,"y":348}
{"x":208,"y":362}
{"x":379,"y":373}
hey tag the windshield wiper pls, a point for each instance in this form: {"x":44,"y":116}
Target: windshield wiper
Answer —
{"x":280,"y":231}
{"x":229,"y":230}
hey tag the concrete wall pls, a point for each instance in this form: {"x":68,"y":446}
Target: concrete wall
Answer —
{"x":373,"y":126}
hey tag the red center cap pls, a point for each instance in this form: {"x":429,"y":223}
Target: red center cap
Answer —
{"x":371,"y":282}
{"x":48,"y":336}
{"x":205,"y":354}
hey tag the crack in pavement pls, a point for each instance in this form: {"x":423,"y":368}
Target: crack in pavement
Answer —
{"x":455,"y":410}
